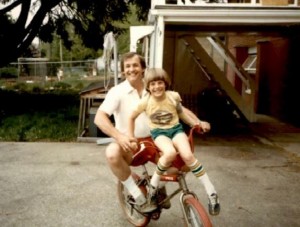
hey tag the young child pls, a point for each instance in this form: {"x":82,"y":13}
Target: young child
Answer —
{"x":164,"y":109}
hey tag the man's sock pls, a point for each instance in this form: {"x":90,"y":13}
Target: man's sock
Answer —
{"x":134,"y":190}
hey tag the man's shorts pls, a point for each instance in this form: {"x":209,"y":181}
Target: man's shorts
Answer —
{"x":170,"y":132}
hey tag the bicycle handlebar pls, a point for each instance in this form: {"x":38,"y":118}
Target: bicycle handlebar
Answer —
{"x":194,"y":129}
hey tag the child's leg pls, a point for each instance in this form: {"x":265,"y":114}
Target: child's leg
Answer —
{"x":165,"y":145}
{"x":182,"y":145}
{"x":198,"y":170}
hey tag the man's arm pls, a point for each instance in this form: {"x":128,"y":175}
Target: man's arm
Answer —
{"x":104,"y":123}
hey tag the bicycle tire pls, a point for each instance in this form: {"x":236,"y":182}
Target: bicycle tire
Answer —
{"x":133,"y":216}
{"x":195,"y":213}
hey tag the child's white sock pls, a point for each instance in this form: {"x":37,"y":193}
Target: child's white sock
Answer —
{"x":160,"y":170}
{"x":198,"y":170}
{"x":209,"y":188}
{"x":155,"y":180}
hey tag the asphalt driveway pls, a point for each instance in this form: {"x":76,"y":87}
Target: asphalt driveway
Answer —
{"x":69,"y":184}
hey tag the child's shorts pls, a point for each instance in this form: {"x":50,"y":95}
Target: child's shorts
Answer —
{"x":169,"y":132}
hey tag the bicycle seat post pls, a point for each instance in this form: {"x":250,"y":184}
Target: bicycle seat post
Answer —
{"x":145,"y":171}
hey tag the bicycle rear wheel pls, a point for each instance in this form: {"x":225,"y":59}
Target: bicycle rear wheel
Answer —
{"x":132,"y":215}
{"x":195,"y":213}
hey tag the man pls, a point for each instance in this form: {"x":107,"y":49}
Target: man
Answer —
{"x":120,"y":101}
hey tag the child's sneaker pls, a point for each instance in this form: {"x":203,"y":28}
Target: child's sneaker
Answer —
{"x":213,"y":204}
{"x":162,"y":195}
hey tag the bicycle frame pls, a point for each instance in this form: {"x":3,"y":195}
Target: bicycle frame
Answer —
{"x":178,"y":177}
{"x":193,"y":211}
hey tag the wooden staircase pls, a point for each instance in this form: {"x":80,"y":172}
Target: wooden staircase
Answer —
{"x":242,"y":102}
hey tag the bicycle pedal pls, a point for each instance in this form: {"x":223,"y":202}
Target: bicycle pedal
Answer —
{"x":155,"y":215}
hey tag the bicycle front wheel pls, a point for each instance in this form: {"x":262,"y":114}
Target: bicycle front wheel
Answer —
{"x":195,"y":213}
{"x":132,"y":215}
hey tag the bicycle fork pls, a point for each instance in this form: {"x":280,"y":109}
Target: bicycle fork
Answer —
{"x":185,"y":192}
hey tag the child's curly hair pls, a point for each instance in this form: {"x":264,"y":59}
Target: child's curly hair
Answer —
{"x":154,"y":74}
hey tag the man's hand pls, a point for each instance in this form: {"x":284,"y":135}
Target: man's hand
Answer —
{"x":127,"y":143}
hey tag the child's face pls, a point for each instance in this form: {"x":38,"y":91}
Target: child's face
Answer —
{"x":157,"y":88}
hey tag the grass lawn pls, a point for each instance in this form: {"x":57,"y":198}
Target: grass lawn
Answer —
{"x":41,"y":110}
{"x":39,"y":115}
{"x":57,"y":125}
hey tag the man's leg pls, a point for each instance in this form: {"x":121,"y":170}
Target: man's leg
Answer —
{"x":118,"y":161}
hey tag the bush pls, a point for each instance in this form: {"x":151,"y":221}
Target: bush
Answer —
{"x":8,"y":72}
{"x":37,"y":89}
{"x":20,"y":86}
{"x":62,"y":85}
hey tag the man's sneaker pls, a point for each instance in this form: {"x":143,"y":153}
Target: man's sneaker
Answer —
{"x":140,"y":199}
{"x":151,"y":203}
{"x":146,"y":207}
{"x":213,"y":204}
{"x":162,"y":193}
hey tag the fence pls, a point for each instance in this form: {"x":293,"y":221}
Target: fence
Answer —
{"x":39,"y":69}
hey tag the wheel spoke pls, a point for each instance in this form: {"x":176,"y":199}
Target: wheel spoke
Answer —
{"x":195,"y":213}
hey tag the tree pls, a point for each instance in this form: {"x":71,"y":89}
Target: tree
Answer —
{"x":91,"y":19}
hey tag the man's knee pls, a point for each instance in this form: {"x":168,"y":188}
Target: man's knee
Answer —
{"x":113,"y":152}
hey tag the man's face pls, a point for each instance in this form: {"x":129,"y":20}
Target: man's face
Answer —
{"x":133,"y":70}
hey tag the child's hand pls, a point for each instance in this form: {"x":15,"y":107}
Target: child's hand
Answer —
{"x":205,"y":126}
{"x":134,"y":146}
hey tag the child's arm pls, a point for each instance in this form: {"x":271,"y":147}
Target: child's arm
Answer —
{"x":203,"y":124}
{"x":187,"y":118}
{"x":134,"y":114}
{"x":132,"y":118}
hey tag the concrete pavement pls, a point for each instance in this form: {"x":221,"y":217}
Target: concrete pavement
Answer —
{"x":69,"y":184}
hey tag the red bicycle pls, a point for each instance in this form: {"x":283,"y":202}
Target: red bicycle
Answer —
{"x":193,"y":211}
